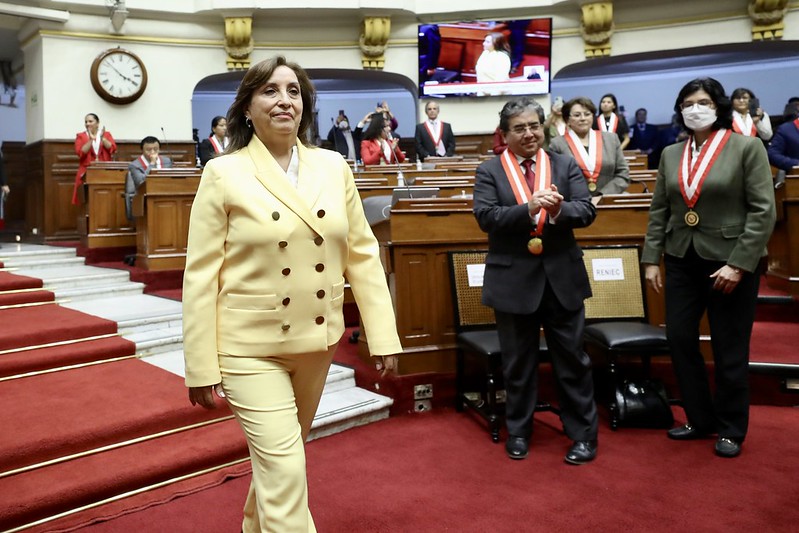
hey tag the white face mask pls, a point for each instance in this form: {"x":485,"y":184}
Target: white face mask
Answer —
{"x":698,"y":117}
{"x":343,"y":125}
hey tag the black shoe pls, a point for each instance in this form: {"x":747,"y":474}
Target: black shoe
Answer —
{"x":686,"y":432}
{"x":516,"y":447}
{"x":726,"y":447}
{"x":581,"y":452}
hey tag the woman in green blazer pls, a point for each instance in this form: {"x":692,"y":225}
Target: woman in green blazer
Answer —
{"x":711,"y":216}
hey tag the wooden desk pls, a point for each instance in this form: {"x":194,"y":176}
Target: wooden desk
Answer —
{"x":418,"y":236}
{"x":103,"y":222}
{"x":162,"y":206}
{"x":783,"y":247}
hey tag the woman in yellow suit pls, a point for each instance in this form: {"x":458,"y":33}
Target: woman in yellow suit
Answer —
{"x":275,"y":226}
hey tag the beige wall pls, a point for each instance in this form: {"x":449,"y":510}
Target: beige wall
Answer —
{"x":178,"y":54}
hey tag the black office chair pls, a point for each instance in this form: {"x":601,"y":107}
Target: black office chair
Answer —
{"x":616,"y":315}
{"x":478,"y":342}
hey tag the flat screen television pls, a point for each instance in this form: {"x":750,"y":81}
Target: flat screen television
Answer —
{"x":485,"y":58}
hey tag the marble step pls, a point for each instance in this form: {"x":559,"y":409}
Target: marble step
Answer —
{"x":20,"y":252}
{"x":16,"y":265}
{"x":78,"y":294}
{"x":156,"y":341}
{"x":134,"y":313}
{"x":348,"y":408}
{"x":72,"y":276}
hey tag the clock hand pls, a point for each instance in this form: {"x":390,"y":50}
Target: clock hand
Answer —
{"x":122,"y":75}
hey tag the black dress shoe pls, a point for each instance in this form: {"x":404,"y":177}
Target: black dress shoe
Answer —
{"x":686,"y":432}
{"x":726,"y":447}
{"x":516,"y":447}
{"x":581,"y":452}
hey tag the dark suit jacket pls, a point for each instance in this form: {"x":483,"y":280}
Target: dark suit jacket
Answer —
{"x":514,"y":279}
{"x":645,"y":140}
{"x":736,"y":207}
{"x":137,"y":173}
{"x":425,"y":146}
{"x":614,"y":175}
{"x":206,"y":151}
{"x":783,"y":152}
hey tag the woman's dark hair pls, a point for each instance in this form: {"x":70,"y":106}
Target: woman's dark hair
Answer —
{"x":612,"y":99}
{"x":377,"y":122}
{"x":580,"y":100}
{"x":500,"y":42}
{"x":92,"y":115}
{"x":238,"y":130}
{"x":515,"y":108}
{"x":215,"y":122}
{"x":716,"y":92}
{"x":741,"y":91}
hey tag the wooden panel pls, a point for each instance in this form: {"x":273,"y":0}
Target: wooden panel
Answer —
{"x":162,"y":207}
{"x":105,"y":223}
{"x":43,"y":175}
{"x":783,"y":246}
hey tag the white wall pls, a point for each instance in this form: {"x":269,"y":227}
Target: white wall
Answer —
{"x":179,"y":53}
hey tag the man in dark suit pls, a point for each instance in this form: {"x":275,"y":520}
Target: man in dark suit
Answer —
{"x":434,"y":137}
{"x":535,"y":276}
{"x":644,"y":137}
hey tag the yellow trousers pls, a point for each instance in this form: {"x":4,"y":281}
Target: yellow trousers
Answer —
{"x":275,"y":398}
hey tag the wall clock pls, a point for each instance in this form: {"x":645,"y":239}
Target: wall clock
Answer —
{"x":118,"y":76}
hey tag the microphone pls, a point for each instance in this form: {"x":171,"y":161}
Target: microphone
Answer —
{"x":166,"y":141}
{"x":395,"y":159}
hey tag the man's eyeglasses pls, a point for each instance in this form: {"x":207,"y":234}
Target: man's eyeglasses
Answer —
{"x":519,"y":129}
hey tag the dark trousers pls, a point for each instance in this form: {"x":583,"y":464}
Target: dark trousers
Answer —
{"x":519,"y":342}
{"x":689,"y":292}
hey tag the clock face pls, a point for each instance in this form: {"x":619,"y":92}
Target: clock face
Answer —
{"x":118,"y":76}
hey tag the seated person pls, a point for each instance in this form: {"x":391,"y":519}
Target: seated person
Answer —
{"x":378,"y":146}
{"x":140,"y":167}
{"x":434,"y":137}
{"x":783,"y":152}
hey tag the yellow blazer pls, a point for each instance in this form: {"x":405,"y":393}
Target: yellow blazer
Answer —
{"x":266,"y":261}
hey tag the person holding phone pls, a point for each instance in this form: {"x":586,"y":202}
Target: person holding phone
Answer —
{"x":747,"y":116}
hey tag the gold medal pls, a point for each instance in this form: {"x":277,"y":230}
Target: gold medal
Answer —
{"x":691,"y":218}
{"x":535,"y":246}
{"x":592,"y":186}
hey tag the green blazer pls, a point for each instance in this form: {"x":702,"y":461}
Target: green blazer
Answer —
{"x":736,"y":207}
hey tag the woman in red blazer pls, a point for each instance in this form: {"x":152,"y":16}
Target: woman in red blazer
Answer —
{"x":94,"y":143}
{"x":377,"y":146}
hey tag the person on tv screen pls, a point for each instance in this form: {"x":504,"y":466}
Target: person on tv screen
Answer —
{"x":494,"y":63}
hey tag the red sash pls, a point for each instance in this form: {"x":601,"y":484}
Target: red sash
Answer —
{"x":146,"y":163}
{"x":218,"y":148}
{"x":796,"y":123}
{"x":743,"y":125}
{"x":589,"y":163}
{"x":692,"y":174}
{"x":614,"y":123}
{"x":518,"y":183}
{"x":434,"y":136}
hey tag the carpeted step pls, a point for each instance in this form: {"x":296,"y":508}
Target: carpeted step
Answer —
{"x":11,"y":282}
{"x":25,"y":296}
{"x":46,"y":492}
{"x":75,"y":353}
{"x":72,"y":411}
{"x":43,"y":324}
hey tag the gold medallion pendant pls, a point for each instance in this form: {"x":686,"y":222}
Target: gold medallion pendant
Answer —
{"x":535,"y":246}
{"x":691,"y":218}
{"x":592,"y":186}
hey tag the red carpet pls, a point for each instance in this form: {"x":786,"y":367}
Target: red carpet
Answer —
{"x":440,"y":472}
{"x":32,"y":326}
{"x":64,"y":355}
{"x":71,"y":411}
{"x":16,"y":289}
